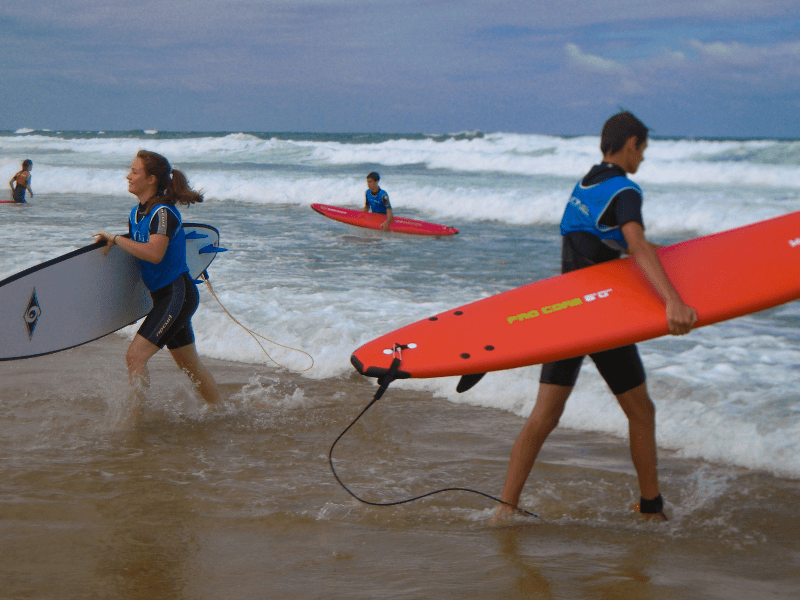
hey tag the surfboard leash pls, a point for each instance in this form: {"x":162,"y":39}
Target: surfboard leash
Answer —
{"x":383,"y":383}
{"x":254,"y":335}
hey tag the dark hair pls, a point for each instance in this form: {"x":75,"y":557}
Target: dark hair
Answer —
{"x":374,"y":176}
{"x":619,"y":129}
{"x":173,"y":188}
{"x":27,"y":164}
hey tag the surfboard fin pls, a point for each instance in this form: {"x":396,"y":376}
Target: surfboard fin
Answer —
{"x":211,"y":248}
{"x":203,"y":278}
{"x":193,"y":235}
{"x":467,"y":381}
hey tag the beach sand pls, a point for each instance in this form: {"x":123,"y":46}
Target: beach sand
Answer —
{"x":240,"y":502}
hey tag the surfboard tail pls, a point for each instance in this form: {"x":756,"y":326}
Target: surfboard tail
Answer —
{"x":378,"y":372}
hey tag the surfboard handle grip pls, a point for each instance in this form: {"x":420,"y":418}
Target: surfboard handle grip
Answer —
{"x":383,"y":383}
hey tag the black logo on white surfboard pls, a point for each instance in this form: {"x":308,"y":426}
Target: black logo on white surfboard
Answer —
{"x":32,"y":314}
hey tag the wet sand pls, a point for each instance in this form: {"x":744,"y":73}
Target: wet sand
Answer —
{"x":240,"y":502}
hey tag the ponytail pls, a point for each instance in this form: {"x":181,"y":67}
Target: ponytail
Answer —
{"x":178,"y":191}
{"x":173,"y":188}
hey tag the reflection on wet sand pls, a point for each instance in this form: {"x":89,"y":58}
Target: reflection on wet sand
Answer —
{"x":240,"y":503}
{"x":148,"y":519}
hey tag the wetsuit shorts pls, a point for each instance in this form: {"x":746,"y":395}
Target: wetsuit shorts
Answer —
{"x":621,"y":368}
{"x":19,"y":193}
{"x":170,"y":321}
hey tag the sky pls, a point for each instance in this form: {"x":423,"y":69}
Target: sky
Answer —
{"x":715,"y":68}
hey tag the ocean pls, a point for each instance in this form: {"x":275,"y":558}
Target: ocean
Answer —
{"x":240,"y":502}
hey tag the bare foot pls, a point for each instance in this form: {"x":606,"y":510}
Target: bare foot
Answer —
{"x":214,"y":408}
{"x":127,"y":416}
{"x":503,"y":513}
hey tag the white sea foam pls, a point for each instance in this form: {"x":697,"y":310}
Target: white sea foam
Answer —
{"x":519,"y":179}
{"x":726,"y":392}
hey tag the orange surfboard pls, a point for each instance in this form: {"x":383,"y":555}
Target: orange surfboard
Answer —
{"x":374,"y":221}
{"x":724,"y":275}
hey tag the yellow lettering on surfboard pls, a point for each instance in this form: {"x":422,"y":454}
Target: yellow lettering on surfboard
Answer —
{"x":551,"y":308}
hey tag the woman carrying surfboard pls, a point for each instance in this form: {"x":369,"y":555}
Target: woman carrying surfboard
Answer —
{"x":601,"y":221}
{"x":21,"y":182}
{"x":158,"y":240}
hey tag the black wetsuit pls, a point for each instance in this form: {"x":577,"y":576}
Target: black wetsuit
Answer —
{"x":18,"y":194}
{"x":169,"y":322}
{"x":622,"y":367}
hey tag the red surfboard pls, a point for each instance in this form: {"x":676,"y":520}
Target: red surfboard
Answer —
{"x":373,"y":221}
{"x":724,"y":275}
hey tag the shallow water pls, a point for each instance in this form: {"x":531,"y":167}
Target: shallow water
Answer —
{"x":727,"y":393}
{"x":241,"y":503}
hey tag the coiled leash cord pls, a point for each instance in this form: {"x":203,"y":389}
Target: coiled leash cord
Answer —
{"x":255,"y":335}
{"x":383,"y":383}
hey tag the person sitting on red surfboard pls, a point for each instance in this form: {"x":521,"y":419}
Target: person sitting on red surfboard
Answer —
{"x":602,"y":220}
{"x":377,"y":200}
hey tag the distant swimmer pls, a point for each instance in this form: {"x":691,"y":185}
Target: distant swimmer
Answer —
{"x":377,"y":200}
{"x":602,"y":220}
{"x":159,"y":242}
{"x":21,"y":182}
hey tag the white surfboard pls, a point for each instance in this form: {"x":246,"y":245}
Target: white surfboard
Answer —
{"x":83,"y":295}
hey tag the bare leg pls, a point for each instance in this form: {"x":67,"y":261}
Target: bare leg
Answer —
{"x":139,"y":352}
{"x":186,"y":358}
{"x":641,"y":413}
{"x":544,"y":417}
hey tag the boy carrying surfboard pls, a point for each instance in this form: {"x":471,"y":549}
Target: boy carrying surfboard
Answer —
{"x":603,"y":220}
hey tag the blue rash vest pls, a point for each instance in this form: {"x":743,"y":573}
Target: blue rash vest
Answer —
{"x":375,"y":202}
{"x":587,"y":205}
{"x":173,"y":265}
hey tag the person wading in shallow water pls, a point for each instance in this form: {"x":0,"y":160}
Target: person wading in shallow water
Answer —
{"x":602,"y":220}
{"x":159,"y":242}
{"x":21,"y":182}
{"x":377,"y":200}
